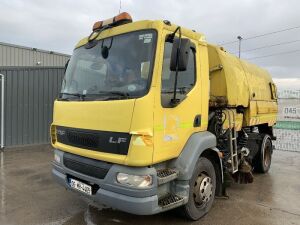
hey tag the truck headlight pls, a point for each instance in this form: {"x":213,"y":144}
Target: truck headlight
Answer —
{"x":56,"y":158}
{"x":134,"y":180}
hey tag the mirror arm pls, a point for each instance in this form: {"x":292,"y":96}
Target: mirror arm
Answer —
{"x":171,"y":37}
{"x":174,"y":100}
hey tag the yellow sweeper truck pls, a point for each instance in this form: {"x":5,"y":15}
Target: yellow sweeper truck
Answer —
{"x":151,"y":117}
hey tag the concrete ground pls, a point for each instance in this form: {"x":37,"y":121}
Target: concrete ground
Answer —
{"x":29,"y":195}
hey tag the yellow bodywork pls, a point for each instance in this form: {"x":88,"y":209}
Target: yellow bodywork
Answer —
{"x":235,"y":82}
{"x":159,"y":134}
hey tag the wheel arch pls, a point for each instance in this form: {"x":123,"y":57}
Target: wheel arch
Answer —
{"x":266,"y":129}
{"x":199,"y":144}
{"x":213,"y":156}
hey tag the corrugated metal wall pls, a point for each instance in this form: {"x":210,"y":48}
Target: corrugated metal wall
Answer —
{"x":29,"y":96}
{"x":14,"y":55}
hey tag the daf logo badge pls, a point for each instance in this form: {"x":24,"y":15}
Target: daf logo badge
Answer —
{"x":119,"y":140}
{"x":60,"y":132}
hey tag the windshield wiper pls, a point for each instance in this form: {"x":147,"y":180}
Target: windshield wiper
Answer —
{"x":81,"y":96}
{"x":118,"y":93}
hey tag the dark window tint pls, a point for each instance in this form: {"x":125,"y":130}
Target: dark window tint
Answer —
{"x":186,"y":79}
{"x":126,"y":69}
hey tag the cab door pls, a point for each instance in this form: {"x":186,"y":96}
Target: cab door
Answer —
{"x":173,"y":125}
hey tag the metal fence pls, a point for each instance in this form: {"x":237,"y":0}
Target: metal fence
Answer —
{"x":29,"y":93}
{"x":287,"y":129}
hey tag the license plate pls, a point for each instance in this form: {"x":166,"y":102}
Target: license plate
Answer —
{"x":80,"y":186}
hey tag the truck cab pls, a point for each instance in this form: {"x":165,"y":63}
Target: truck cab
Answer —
{"x":130,"y":126}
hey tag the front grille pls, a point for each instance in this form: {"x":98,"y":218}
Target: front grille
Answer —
{"x":83,"y":139}
{"x":86,"y":166}
{"x":102,"y":141}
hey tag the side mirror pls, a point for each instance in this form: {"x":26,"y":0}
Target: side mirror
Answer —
{"x":66,"y":65}
{"x":183,"y":54}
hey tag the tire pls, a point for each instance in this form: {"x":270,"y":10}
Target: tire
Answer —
{"x":263,"y":158}
{"x":202,"y":190}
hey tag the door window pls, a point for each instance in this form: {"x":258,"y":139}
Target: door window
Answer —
{"x":185,"y":81}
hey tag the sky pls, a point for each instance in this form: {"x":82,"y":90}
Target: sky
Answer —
{"x":57,"y":25}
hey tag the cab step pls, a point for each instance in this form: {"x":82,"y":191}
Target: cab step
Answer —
{"x":170,"y":201}
{"x":166,"y":175}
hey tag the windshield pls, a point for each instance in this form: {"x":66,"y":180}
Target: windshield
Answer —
{"x":117,"y":67}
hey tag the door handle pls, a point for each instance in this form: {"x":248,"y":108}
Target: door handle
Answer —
{"x":197,"y":121}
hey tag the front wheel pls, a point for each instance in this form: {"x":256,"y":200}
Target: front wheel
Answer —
{"x":202,"y":190}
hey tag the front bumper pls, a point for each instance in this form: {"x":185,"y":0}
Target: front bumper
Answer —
{"x":112,"y":194}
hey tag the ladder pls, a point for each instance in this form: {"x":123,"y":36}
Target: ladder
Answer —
{"x":233,"y":142}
